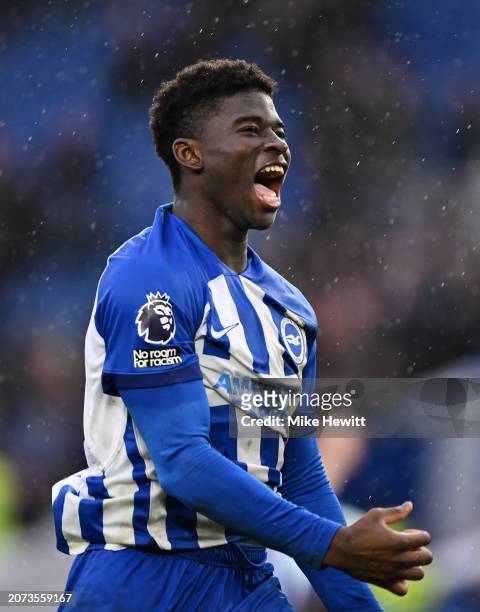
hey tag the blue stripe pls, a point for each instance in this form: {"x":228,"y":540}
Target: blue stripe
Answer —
{"x":90,"y":511}
{"x":221,"y":438}
{"x":96,"y":487}
{"x":58,"y":506}
{"x":278,"y":312}
{"x":269,"y":448}
{"x":141,"y":499}
{"x":252,"y":326}
{"x":181,"y":524}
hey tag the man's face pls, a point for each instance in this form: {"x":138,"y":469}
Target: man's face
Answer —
{"x":245,"y":158}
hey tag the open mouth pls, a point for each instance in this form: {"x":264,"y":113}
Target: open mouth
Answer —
{"x":267,"y":184}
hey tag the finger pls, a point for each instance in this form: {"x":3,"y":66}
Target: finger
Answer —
{"x":414,"y":538}
{"x":399,"y":587}
{"x":397,"y":513}
{"x":411,"y":558}
{"x":412,"y":573}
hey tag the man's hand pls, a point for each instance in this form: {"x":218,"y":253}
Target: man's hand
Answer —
{"x":370,"y":551}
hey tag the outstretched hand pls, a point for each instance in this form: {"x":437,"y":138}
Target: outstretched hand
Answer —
{"x":370,"y":551}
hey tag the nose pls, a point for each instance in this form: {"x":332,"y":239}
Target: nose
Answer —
{"x":275,"y":143}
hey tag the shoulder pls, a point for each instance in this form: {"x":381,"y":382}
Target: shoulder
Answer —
{"x":153,"y":257}
{"x":127,"y":261}
{"x":148,"y":268}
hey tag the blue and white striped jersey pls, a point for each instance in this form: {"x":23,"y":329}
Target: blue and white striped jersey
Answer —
{"x":169,"y":310}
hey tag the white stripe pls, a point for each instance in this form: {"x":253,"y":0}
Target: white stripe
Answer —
{"x":241,"y":361}
{"x":118,"y":511}
{"x":71,"y":525}
{"x":157,"y":525}
{"x":270,"y":330}
{"x":248,"y":451}
{"x":212,"y":367}
{"x":104,"y":416}
{"x":228,"y":315}
{"x":209,"y":532}
{"x":293,"y":315}
{"x":281,"y":456}
{"x":202,"y":331}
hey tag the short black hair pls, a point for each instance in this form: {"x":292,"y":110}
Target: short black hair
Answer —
{"x":181,"y":105}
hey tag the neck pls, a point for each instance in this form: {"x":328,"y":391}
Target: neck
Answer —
{"x":218,"y":232}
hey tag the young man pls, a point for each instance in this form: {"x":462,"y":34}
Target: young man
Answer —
{"x":173,"y":512}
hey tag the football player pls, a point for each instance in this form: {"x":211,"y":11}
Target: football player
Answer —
{"x":174,"y":510}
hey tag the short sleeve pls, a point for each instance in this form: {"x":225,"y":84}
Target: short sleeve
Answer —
{"x":148,"y":316}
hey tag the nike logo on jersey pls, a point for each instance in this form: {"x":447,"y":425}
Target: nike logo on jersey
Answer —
{"x":217,"y":334}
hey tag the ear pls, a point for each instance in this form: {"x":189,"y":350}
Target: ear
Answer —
{"x":188,"y":153}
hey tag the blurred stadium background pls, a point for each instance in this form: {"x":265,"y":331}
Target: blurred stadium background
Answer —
{"x":380,"y":228}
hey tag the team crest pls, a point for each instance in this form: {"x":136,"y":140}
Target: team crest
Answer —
{"x":155,"y":320}
{"x":293,"y":339}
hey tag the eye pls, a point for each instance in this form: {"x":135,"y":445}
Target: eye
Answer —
{"x":281,"y":134}
{"x":252,"y":129}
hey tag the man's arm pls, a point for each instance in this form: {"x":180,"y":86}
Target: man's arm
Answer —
{"x":305,"y":483}
{"x":174,"y":421}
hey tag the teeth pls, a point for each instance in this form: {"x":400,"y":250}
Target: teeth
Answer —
{"x":273,"y":169}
